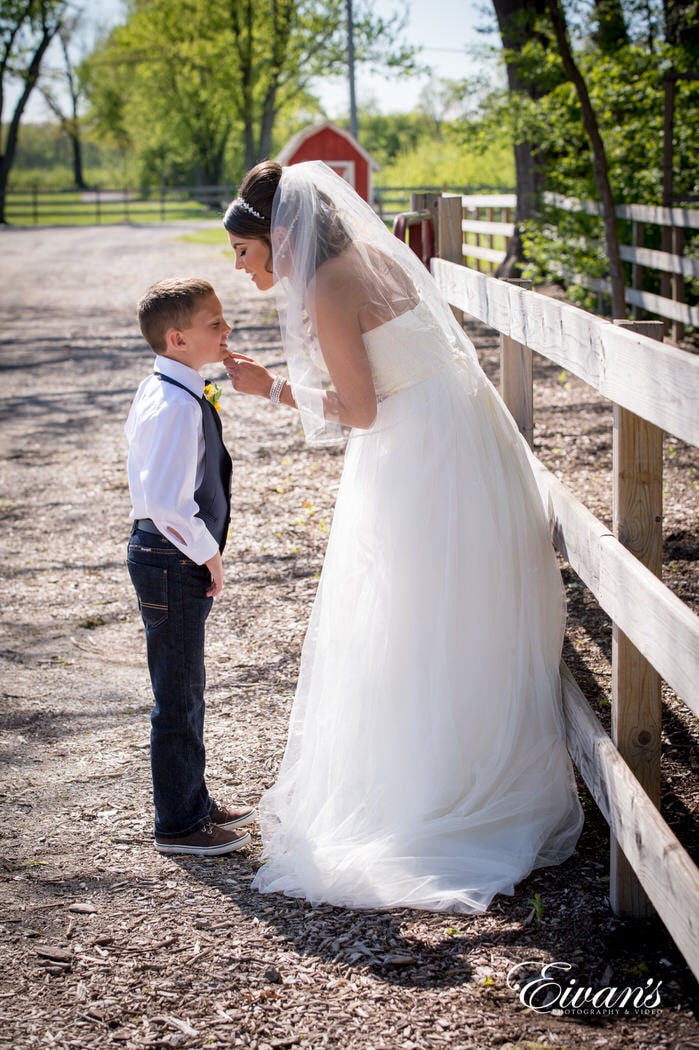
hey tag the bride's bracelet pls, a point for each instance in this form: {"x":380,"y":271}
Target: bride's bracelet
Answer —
{"x":276,"y":390}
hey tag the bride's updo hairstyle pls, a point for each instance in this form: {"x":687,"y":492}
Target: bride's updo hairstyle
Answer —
{"x":250,"y":214}
{"x":257,"y":207}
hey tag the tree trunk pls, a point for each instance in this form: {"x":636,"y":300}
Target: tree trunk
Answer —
{"x":517,"y":22}
{"x":74,"y":125}
{"x":269,"y":114}
{"x":281,"y":31}
{"x":77,"y":153}
{"x":599,"y":160}
{"x":31,"y":77}
{"x":73,"y":129}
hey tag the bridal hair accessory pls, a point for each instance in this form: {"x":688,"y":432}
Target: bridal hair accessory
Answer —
{"x":276,"y":390}
{"x":249,"y":208}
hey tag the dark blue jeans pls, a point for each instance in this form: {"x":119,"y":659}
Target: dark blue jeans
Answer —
{"x":171,"y":592}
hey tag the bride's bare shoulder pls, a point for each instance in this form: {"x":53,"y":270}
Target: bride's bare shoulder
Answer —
{"x":344,"y":274}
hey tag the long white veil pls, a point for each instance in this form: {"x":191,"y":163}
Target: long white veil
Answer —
{"x":317,"y":215}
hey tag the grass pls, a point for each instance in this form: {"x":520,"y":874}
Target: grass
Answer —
{"x":214,"y":235}
{"x":81,"y":209}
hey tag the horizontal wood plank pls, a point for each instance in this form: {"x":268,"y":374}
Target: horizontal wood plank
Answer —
{"x":664,"y":868}
{"x":491,"y":229}
{"x":475,"y":251}
{"x":658,"y":382}
{"x":658,"y":623}
{"x":660,"y":304}
{"x":656,"y":304}
{"x":687,"y":218}
{"x":660,"y":260}
{"x":488,"y":200}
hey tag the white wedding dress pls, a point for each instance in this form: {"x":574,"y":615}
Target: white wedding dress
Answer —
{"x":426,"y":764}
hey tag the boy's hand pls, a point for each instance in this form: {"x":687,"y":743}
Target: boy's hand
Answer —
{"x":215,"y":567}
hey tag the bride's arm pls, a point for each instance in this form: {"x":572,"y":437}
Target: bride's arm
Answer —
{"x":336,"y":321}
{"x":353,"y":400}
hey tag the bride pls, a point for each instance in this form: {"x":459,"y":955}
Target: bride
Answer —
{"x":426,"y":764}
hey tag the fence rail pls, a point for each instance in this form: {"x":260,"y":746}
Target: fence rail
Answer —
{"x":654,"y":387}
{"x":99,"y":206}
{"x":487,"y":226}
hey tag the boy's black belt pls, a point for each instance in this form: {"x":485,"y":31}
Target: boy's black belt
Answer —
{"x":146,"y":525}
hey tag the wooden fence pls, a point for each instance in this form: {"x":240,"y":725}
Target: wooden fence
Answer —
{"x":654,"y":388}
{"x":487,"y":225}
{"x":98,"y":206}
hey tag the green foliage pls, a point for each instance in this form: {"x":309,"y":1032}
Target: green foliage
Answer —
{"x":452,"y":163}
{"x":166,"y":61}
{"x":537,"y":908}
{"x":626,"y":90}
{"x":193,"y":91}
{"x":387,"y":136}
{"x":627,"y":93}
{"x":403,"y":144}
{"x":44,"y":160}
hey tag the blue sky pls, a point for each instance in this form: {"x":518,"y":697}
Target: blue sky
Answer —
{"x":446,"y":30}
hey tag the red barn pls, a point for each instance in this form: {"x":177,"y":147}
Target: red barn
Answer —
{"x":338,"y":149}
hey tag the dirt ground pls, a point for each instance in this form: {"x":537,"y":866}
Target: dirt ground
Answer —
{"x":105,"y":943}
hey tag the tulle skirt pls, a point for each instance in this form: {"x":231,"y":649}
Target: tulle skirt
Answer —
{"x":426,"y":765}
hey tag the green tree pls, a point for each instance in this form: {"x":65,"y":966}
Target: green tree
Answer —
{"x":609,"y":31}
{"x":386,"y":135}
{"x":681,"y":21}
{"x":599,"y":156}
{"x":68,"y":116}
{"x":531,"y":73}
{"x":180,"y":83}
{"x":608,"y":90}
{"x":27,"y":27}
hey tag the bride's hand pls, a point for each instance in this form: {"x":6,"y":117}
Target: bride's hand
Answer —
{"x":248,"y":376}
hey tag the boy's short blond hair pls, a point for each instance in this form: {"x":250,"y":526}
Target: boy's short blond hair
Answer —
{"x":170,"y":304}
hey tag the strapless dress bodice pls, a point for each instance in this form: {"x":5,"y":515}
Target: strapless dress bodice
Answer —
{"x":406,"y":350}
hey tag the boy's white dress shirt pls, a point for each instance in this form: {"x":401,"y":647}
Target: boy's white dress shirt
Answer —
{"x":165,"y":463}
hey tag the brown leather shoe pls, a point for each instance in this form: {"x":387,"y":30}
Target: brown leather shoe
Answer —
{"x":209,"y":841}
{"x":229,"y":818}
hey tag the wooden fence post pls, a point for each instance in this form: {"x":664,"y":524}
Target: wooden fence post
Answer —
{"x":638,"y":241}
{"x":491,"y":239}
{"x":480,"y":264}
{"x":428,"y":202}
{"x":450,"y":237}
{"x":636,"y":699}
{"x":516,"y":378}
{"x":678,"y":289}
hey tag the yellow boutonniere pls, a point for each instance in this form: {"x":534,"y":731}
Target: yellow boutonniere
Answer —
{"x":212,"y":393}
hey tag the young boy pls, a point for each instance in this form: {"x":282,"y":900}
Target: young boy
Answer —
{"x":179,"y":479}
